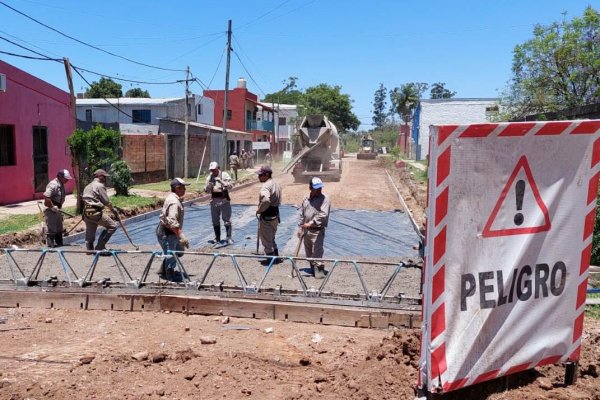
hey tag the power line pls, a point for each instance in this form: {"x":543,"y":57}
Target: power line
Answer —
{"x":28,"y":49}
{"x":87,"y":44}
{"x":249,"y":74}
{"x":264,"y":15}
{"x":104,"y":98}
{"x":218,"y":66}
{"x":129,"y":80}
{"x":28,"y":57}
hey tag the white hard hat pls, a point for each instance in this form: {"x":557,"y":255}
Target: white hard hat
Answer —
{"x":213,"y":165}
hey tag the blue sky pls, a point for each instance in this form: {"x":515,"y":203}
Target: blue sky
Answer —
{"x":354,"y":44}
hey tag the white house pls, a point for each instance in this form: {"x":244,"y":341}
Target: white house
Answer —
{"x":142,"y":115}
{"x":447,"y":111}
{"x":288,"y":119}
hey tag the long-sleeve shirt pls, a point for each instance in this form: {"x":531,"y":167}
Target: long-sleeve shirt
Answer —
{"x":95,"y":195}
{"x":225,"y":183}
{"x":171,"y":216}
{"x":270,"y":195}
{"x":315,"y":210}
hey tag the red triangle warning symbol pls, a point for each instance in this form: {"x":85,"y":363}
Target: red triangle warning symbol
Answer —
{"x":520,"y":209}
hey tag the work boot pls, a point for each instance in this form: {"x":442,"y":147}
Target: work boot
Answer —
{"x":50,"y":240}
{"x":169,"y":274}
{"x":217,"y":239}
{"x":89,"y":246}
{"x":276,"y":253}
{"x":267,"y":260}
{"x":319,"y":271}
{"x":102,"y":240}
{"x":161,"y":270}
{"x":228,"y":229}
{"x":58,"y":240}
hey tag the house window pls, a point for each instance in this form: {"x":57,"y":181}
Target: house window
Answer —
{"x":141,"y":116}
{"x":282,"y":121}
{"x":199,"y":107}
{"x":88,"y":115}
{"x":229,"y":114}
{"x":7,"y":145}
{"x":492,"y":109}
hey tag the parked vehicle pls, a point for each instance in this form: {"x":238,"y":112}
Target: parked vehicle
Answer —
{"x":316,"y":150}
{"x":367,"y":149}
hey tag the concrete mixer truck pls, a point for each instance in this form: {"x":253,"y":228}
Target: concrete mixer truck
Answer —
{"x":316,"y":150}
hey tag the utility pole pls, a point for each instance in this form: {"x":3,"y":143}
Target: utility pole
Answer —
{"x":74,"y":163}
{"x":225,"y":101}
{"x":186,"y":135}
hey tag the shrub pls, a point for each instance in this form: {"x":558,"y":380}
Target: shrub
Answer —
{"x":120,"y":174}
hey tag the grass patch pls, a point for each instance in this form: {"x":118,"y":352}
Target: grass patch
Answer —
{"x":419,"y":175}
{"x":18,"y":222}
{"x":592,"y":312}
{"x":133,"y":201}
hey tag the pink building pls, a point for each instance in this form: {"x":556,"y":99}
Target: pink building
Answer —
{"x":35,"y":120}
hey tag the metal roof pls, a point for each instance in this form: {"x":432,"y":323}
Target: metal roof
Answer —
{"x":123,"y":101}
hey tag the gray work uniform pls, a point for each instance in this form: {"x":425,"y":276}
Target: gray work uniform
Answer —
{"x":234,"y":164}
{"x":55,"y":191}
{"x":95,"y":198}
{"x":268,"y":207}
{"x":316,"y":211}
{"x":171,"y":217}
{"x":220,"y":207}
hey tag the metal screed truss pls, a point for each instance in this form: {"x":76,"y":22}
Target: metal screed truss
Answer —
{"x":277,"y":277}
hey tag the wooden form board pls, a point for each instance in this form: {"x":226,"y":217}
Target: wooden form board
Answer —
{"x":206,"y":305}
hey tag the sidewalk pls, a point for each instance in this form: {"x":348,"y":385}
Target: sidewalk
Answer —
{"x":416,"y":165}
{"x":30,"y":207}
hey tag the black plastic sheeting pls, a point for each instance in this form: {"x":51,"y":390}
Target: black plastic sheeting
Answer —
{"x":350,"y":232}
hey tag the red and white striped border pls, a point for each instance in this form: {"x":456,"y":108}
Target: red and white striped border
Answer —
{"x":437,"y":327}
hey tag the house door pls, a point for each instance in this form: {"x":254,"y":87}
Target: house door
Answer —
{"x":40,"y":158}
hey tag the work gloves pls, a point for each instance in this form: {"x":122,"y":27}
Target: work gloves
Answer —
{"x":55,"y":209}
{"x":184,"y":241}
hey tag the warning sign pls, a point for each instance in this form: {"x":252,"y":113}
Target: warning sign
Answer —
{"x":520,"y":208}
{"x":509,"y":232}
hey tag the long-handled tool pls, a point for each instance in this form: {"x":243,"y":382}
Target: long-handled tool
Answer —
{"x":42,"y":219}
{"x":67,"y":214}
{"x":116,"y":213}
{"x":300,"y":240}
{"x":73,"y":228}
{"x":257,"y":234}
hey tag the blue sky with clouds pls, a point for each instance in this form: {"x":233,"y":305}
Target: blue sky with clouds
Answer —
{"x":354,"y":44}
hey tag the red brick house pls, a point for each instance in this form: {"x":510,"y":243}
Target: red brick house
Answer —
{"x":244,"y":113}
{"x":35,"y":120}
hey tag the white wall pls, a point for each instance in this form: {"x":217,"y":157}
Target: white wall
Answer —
{"x":457,"y":111}
{"x":208,"y":110}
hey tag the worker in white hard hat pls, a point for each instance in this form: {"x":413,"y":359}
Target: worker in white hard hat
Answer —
{"x":218,"y":185}
{"x":314,"y":217}
{"x":54,"y":198}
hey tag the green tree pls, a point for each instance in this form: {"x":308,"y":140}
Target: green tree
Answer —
{"x":106,"y":87}
{"x":328,"y":100}
{"x":439,"y":91}
{"x":405,"y":98}
{"x":93,"y":149}
{"x":379,"y":105}
{"x":137,"y":92}
{"x":288,"y":95}
{"x":558,"y":68}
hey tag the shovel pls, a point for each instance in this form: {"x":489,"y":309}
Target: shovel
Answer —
{"x":300,"y":239}
{"x":116,"y":213}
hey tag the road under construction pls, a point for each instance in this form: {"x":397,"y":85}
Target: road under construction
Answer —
{"x":372,"y":263}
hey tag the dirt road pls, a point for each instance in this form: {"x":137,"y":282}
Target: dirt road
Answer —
{"x":364,"y":185}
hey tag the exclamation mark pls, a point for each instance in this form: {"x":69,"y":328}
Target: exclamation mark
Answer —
{"x":520,"y":191}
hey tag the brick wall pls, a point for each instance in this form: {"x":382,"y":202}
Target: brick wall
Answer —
{"x":145,"y":155}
